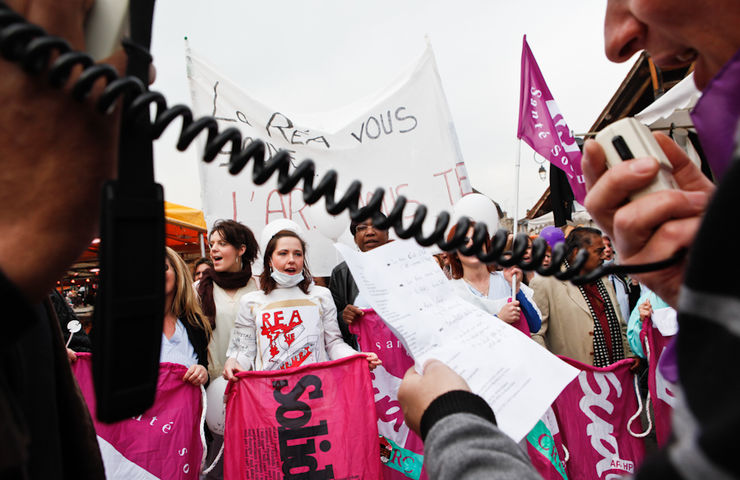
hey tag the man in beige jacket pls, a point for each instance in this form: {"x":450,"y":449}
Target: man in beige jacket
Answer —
{"x":583,"y":323}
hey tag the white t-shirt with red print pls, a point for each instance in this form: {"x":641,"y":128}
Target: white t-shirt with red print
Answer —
{"x":286,"y":328}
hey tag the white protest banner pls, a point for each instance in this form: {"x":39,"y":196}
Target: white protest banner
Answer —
{"x":517,"y":377}
{"x":402,"y":140}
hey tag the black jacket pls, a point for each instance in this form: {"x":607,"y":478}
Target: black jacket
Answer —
{"x":344,"y":291}
{"x":47,"y":431}
{"x":199,"y":342}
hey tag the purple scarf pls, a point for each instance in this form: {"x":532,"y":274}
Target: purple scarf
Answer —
{"x":716,"y":114}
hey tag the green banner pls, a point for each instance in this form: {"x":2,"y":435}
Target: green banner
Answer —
{"x":405,"y":461}
{"x":541,"y":439}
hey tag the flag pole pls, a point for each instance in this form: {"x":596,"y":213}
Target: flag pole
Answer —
{"x":516,"y":187}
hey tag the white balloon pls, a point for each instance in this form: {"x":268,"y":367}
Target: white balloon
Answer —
{"x":74,"y":326}
{"x":328,"y":225}
{"x":479,"y":208}
{"x":215,"y":405}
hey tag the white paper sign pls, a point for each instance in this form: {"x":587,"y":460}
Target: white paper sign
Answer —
{"x":517,"y":377}
{"x":402,"y":140}
{"x":666,"y":321}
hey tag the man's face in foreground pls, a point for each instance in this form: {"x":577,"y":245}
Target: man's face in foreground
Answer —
{"x":675,"y":33}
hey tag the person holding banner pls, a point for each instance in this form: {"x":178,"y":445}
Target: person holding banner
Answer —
{"x":646,"y":305}
{"x":290,"y":321}
{"x":343,"y":288}
{"x":581,"y":322}
{"x":233,"y":249}
{"x":490,"y":290}
{"x":185,"y":334}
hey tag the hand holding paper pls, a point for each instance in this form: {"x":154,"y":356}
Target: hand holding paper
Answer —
{"x":517,"y":377}
{"x":418,"y":391}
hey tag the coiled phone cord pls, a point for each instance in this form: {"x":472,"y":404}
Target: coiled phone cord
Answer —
{"x":31,"y":47}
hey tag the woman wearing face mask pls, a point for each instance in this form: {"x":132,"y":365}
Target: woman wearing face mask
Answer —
{"x":233,"y":249}
{"x":490,"y":290}
{"x":290,"y":321}
{"x":185,"y":334}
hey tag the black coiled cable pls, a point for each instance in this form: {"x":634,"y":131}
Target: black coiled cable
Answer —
{"x":29,"y":45}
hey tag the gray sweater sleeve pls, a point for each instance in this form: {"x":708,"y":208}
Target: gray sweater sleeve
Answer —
{"x":465,"y":446}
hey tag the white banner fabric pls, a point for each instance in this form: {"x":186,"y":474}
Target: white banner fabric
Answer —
{"x":404,"y":142}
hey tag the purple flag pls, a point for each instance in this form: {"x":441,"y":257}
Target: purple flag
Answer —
{"x":543,"y":127}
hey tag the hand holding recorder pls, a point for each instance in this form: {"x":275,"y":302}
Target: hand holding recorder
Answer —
{"x":657,"y":222}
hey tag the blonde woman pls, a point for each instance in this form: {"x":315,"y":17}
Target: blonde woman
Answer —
{"x":185,"y":334}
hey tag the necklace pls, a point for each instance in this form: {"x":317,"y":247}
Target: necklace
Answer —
{"x":486,"y":284}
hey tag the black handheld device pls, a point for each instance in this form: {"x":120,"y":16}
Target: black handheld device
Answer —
{"x":128,"y":316}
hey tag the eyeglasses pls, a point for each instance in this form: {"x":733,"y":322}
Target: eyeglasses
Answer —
{"x":363,"y":226}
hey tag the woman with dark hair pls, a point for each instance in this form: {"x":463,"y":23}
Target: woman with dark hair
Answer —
{"x":290,"y":321}
{"x":185,"y":334}
{"x":233,"y":249}
{"x":489,"y":289}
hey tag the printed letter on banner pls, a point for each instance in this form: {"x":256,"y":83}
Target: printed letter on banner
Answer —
{"x":163,"y":442}
{"x":592,"y":413}
{"x":401,"y":449}
{"x":661,"y":390}
{"x":315,"y":421}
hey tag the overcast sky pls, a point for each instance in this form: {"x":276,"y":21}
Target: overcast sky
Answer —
{"x":315,"y":56}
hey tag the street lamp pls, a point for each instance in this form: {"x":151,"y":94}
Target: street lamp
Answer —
{"x":542,"y":172}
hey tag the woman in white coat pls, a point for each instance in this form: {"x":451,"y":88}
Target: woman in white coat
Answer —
{"x":290,"y":321}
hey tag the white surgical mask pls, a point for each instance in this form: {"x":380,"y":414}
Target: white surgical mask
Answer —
{"x":285,"y":280}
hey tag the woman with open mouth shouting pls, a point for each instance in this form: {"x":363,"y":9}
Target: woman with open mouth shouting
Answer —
{"x":233,"y":249}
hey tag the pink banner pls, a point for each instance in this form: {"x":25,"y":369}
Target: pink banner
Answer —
{"x":164,"y":442}
{"x":661,"y":390}
{"x":314,"y":421}
{"x":543,"y":127}
{"x":405,"y":460}
{"x":593,"y":412}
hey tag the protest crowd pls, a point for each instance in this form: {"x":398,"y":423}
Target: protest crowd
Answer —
{"x":285,"y":375}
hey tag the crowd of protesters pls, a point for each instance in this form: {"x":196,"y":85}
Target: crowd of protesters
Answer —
{"x":241,"y":305}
